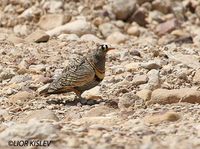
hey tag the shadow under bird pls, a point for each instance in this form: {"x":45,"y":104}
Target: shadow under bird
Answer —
{"x":81,"y":74}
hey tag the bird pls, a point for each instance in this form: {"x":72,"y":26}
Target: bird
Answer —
{"x":81,"y":74}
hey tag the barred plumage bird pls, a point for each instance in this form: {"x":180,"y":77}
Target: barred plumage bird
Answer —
{"x":82,"y":73}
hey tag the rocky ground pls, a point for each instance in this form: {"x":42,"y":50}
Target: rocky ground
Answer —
{"x":149,"y":98}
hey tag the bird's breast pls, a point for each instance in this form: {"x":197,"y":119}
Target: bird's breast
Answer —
{"x":100,"y":74}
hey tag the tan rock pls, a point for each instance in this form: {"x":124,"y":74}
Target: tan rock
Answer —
{"x":116,"y":38}
{"x":21,"y":97}
{"x":145,"y":94}
{"x":43,"y":114}
{"x":164,"y":96}
{"x":107,"y":29}
{"x":98,"y":111}
{"x":129,"y":101}
{"x":90,"y":37}
{"x":139,"y":79}
{"x":132,"y":67}
{"x":37,"y":36}
{"x":133,"y":30}
{"x":123,"y":8}
{"x":93,"y":93}
{"x":50,"y":21}
{"x":140,"y":16}
{"x":196,"y":78}
{"x":14,"y":39}
{"x":102,"y":120}
{"x":169,"y":116}
{"x":78,"y":27}
{"x":166,"y":27}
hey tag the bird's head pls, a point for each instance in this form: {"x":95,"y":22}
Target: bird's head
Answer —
{"x":103,"y":49}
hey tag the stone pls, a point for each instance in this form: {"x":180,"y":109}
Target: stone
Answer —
{"x":15,"y":40}
{"x":116,"y":38}
{"x":37,"y":68}
{"x":167,"y":27}
{"x":139,"y":79}
{"x":66,"y":37}
{"x":7,"y":73}
{"x":139,"y":16}
{"x":101,"y":120}
{"x":151,"y":65}
{"x":107,"y":28}
{"x":31,"y":130}
{"x":53,"y":6}
{"x":98,"y":111}
{"x":43,"y":114}
{"x":162,"y":6}
{"x":144,"y":94}
{"x":191,"y":61}
{"x":90,"y":37}
{"x":164,"y":96}
{"x":21,"y":30}
{"x":93,"y":93}
{"x":50,"y":21}
{"x":20,"y":78}
{"x":37,"y":36}
{"x":132,"y":67}
{"x":133,"y":30}
{"x":123,"y":8}
{"x":196,"y":78}
{"x":43,"y":88}
{"x":129,"y":101}
{"x":169,"y":116}
{"x":154,"y":79}
{"x":78,"y":27}
{"x":21,"y":97}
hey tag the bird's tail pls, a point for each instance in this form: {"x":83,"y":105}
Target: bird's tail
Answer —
{"x":48,"y":90}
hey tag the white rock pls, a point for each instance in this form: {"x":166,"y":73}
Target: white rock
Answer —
{"x":50,"y":21}
{"x":107,"y":28}
{"x":31,"y":130}
{"x":78,"y":27}
{"x":123,"y":8}
{"x":90,"y":37}
{"x":116,"y":38}
{"x":21,"y":30}
{"x":65,"y":37}
{"x":154,"y":79}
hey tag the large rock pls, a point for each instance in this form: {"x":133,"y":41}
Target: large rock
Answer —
{"x":139,"y":16}
{"x":7,"y":73}
{"x":191,"y":61}
{"x":107,"y":28}
{"x":164,"y":96}
{"x":123,"y":8}
{"x":154,"y":79}
{"x":37,"y":36}
{"x":21,"y":97}
{"x":167,"y":26}
{"x":15,"y":40}
{"x":116,"y":38}
{"x":31,"y":130}
{"x":78,"y":27}
{"x":169,"y":116}
{"x":144,"y":94}
{"x":90,"y":37}
{"x":196,"y":78}
{"x":43,"y":114}
{"x":129,"y":101}
{"x":50,"y":21}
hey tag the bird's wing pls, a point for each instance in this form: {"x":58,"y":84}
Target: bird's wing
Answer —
{"x":78,"y":72}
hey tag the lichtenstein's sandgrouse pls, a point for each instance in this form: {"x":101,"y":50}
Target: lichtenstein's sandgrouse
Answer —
{"x":82,"y":73}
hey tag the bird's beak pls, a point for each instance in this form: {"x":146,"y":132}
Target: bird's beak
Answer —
{"x":109,"y":49}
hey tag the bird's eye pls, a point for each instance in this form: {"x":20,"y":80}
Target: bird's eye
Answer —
{"x":104,"y":47}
